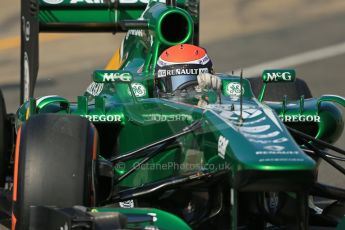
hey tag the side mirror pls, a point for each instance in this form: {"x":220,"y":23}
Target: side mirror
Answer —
{"x":275,"y":76}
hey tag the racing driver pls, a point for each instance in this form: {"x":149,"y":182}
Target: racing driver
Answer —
{"x":184,"y":68}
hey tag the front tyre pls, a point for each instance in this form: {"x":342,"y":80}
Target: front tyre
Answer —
{"x":54,"y":165}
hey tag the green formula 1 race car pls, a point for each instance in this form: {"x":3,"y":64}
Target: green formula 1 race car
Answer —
{"x":126,"y":157}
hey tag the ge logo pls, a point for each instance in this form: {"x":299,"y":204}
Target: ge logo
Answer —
{"x":234,"y":89}
{"x":138,"y":89}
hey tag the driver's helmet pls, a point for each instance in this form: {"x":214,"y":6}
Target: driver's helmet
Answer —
{"x":178,"y":67}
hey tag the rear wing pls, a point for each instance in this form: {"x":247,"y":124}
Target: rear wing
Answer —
{"x":113,"y":16}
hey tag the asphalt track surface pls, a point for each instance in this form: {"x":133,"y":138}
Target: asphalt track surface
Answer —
{"x":237,"y":34}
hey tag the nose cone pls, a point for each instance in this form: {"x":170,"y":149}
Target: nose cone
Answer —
{"x":262,"y":152}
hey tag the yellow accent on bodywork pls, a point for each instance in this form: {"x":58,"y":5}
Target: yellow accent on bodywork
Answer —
{"x":27,"y":113}
{"x":115,"y":62}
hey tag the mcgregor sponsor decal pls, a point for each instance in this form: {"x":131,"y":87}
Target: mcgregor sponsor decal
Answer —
{"x":300,"y":118}
{"x":286,"y":76}
{"x":111,"y":77}
{"x":278,"y":75}
{"x":103,"y":118}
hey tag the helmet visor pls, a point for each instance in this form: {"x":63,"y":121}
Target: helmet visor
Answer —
{"x":181,"y":81}
{"x":179,"y":76}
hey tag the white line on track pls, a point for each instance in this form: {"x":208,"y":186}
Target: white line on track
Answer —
{"x":295,"y":60}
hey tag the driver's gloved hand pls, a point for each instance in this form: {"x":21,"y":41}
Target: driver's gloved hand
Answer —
{"x":207,"y":80}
